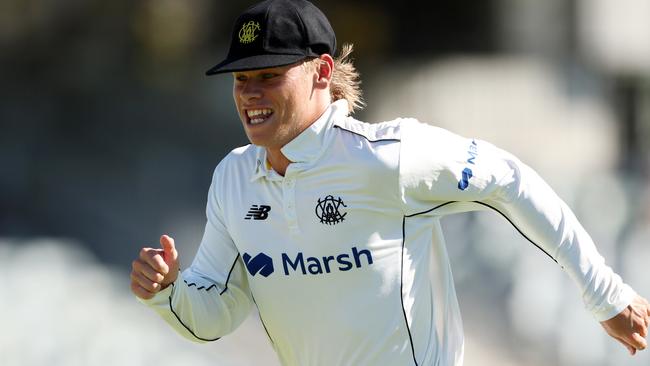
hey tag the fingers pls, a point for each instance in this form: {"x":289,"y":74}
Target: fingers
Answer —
{"x":140,"y":292}
{"x":647,"y":310}
{"x":639,"y":318}
{"x":143,"y":287}
{"x":638,"y":342}
{"x":146,"y":270}
{"x":154,"y":258}
{"x":145,"y":283}
{"x":630,"y":326}
{"x":638,"y":322}
{"x":148,"y":273}
{"x":155,"y":269}
{"x":641,"y":327}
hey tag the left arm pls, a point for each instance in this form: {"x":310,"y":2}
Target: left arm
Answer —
{"x":439,"y":166}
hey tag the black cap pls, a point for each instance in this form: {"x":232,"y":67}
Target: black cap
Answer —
{"x":277,"y":33}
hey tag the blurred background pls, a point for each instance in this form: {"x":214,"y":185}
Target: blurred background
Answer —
{"x":109,"y":133}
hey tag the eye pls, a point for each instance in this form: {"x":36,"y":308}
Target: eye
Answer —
{"x":268,"y":75}
{"x":241,"y":77}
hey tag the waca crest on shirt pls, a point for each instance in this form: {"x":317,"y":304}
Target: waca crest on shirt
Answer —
{"x":328,"y":210}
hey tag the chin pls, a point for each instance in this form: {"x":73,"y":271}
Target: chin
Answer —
{"x":258,"y":141}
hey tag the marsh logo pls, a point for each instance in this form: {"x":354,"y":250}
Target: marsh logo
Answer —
{"x":466,"y":174}
{"x":305,"y":265}
{"x":261,"y":263}
{"x":464,"y":180}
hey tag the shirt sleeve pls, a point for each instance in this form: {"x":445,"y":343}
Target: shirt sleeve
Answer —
{"x":211,"y":298}
{"x":441,"y":173}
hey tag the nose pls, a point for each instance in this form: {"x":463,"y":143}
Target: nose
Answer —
{"x":251,"y":90}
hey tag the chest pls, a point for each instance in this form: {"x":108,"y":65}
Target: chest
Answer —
{"x":314,"y":210}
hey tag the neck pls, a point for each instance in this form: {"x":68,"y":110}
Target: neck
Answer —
{"x":274,"y":155}
{"x":278,"y":161}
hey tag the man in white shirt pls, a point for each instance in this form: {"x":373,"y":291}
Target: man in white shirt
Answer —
{"x":331,"y":226}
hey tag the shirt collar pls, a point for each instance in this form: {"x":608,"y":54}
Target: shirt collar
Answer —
{"x":309,"y":145}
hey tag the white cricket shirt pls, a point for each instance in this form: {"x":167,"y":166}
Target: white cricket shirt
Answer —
{"x":344,"y":256}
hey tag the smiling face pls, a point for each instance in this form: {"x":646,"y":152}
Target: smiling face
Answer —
{"x":277,"y":104}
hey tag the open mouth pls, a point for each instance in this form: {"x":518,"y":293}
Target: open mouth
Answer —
{"x":257,"y":116}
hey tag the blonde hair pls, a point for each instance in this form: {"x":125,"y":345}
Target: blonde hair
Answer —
{"x":346,"y":82}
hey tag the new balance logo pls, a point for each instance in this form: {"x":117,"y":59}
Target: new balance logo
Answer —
{"x":256,"y":212}
{"x":261,"y":263}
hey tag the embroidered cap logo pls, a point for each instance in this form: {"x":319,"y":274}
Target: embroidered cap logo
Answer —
{"x":328,"y":210}
{"x":249,"y":32}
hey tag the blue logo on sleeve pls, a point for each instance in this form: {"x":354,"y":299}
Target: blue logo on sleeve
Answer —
{"x":464,"y":181}
{"x":467,"y":174}
{"x":261,"y":263}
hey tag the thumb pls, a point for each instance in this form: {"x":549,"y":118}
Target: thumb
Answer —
{"x":170,"y":253}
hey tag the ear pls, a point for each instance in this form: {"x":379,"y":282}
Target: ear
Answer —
{"x":325,"y":70}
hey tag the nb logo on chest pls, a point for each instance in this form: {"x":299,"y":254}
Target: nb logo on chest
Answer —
{"x":258,"y":212}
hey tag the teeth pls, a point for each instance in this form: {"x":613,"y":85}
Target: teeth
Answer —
{"x":258,"y":115}
{"x":256,"y":112}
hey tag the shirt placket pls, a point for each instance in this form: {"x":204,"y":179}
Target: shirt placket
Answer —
{"x":289,"y":200}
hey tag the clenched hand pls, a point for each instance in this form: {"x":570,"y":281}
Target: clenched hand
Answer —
{"x":630,"y":326}
{"x":155,"y":269}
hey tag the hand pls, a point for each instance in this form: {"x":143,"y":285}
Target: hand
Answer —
{"x":155,"y":269}
{"x":630,"y":326}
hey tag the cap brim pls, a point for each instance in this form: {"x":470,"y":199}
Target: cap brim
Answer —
{"x":254,"y":63}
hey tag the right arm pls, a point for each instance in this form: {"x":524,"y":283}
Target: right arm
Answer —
{"x":209,"y":299}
